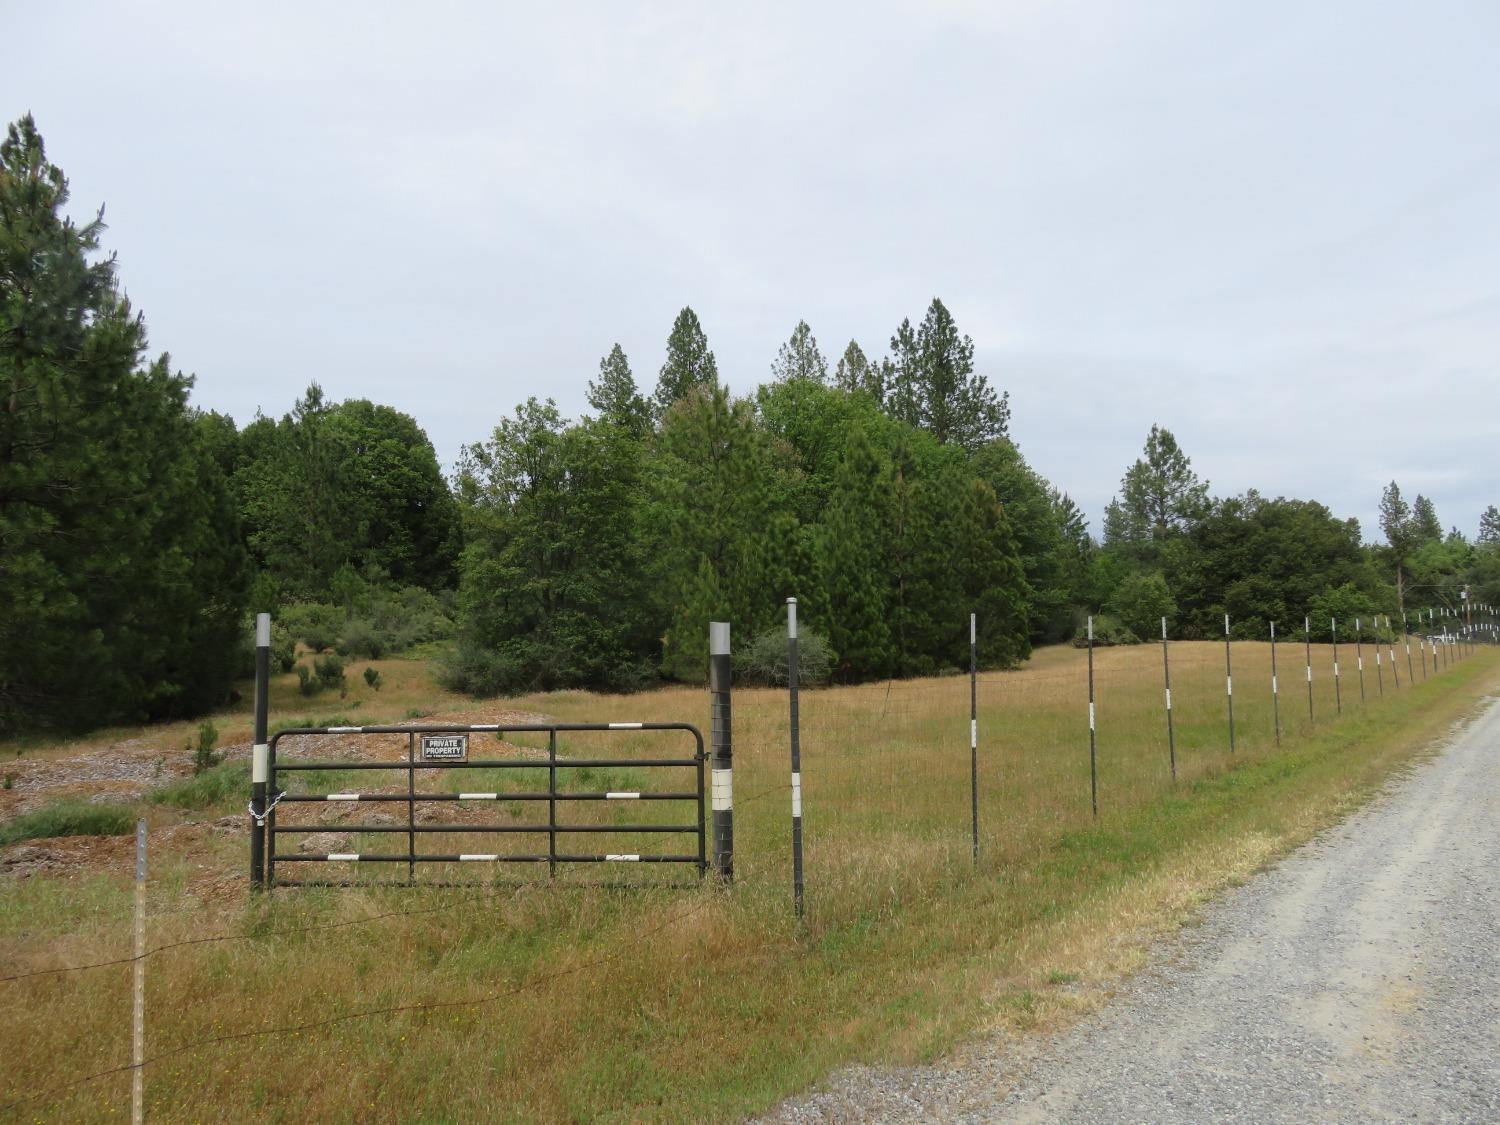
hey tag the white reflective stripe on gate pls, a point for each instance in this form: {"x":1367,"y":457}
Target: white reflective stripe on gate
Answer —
{"x":479,"y":796}
{"x":723,"y":790}
{"x":622,"y":796}
{"x":343,"y":855}
{"x":623,"y":858}
{"x":342,"y":797}
{"x":260,"y":762}
{"x":346,"y":730}
{"x":624,"y":726}
{"x":485,"y":726}
{"x":466,"y":858}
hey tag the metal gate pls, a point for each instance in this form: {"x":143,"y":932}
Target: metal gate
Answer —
{"x":445,"y":747}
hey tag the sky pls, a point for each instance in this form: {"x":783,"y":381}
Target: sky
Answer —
{"x":1272,"y":228}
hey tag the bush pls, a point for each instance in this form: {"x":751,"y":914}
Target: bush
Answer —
{"x":226,"y":783}
{"x":306,"y":684}
{"x":314,"y":624}
{"x":763,"y":662}
{"x":480,"y":672}
{"x":204,"y":757}
{"x":69,"y":817}
{"x":1107,"y":631}
{"x":372,"y":677}
{"x":362,"y":639}
{"x":329,"y":671}
{"x":1139,"y":602}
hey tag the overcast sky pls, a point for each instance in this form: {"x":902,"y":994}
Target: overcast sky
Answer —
{"x":1273,"y":228}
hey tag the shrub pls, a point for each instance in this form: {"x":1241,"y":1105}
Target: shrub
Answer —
{"x":362,"y":639}
{"x":204,"y":757}
{"x":372,"y":677}
{"x":305,"y":682}
{"x":1107,"y":631}
{"x":314,"y":624}
{"x":1140,"y":601}
{"x":69,"y":817}
{"x":479,"y":671}
{"x":763,"y":662}
{"x":329,"y":671}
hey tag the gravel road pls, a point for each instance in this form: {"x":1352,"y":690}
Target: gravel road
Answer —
{"x":1357,"y":981}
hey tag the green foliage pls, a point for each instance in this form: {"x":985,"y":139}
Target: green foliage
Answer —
{"x":615,"y":396}
{"x":1160,"y":496}
{"x":933,"y":384}
{"x":122,"y":577}
{"x":764,"y":662}
{"x":314,"y":624}
{"x":1108,"y":631}
{"x":362,"y":639}
{"x":1140,"y":603}
{"x":204,"y":757}
{"x":219,"y":786}
{"x":68,"y":817}
{"x":799,"y":358}
{"x":372,"y":677}
{"x":690,"y":365}
{"x":330,"y":672}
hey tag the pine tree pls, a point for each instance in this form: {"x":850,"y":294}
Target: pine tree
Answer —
{"x":689,"y":363}
{"x":856,"y":372}
{"x":122,"y":579}
{"x":1160,"y":495}
{"x":1425,"y":523}
{"x":1489,"y":527}
{"x":1400,"y":532}
{"x":799,"y":358}
{"x":851,"y":544}
{"x":615,"y":396}
{"x":934,"y":385}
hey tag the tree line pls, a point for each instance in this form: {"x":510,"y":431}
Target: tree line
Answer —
{"x":885,"y":492}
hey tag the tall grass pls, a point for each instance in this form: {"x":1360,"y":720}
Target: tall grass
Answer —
{"x":595,"y":1001}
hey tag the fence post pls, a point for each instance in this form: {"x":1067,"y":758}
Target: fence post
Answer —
{"x":1307,"y":640}
{"x":1359,"y":656}
{"x":1166,"y":672}
{"x":1338,"y":694}
{"x":791,"y":680}
{"x":138,"y":992}
{"x":1390,"y":636}
{"x":1406,"y":642}
{"x":723,"y":749}
{"x":1229,"y":683}
{"x":974,"y":730}
{"x":1093,"y":745}
{"x":1275,"y":695}
{"x":1379,"y":665}
{"x":260,"y":752}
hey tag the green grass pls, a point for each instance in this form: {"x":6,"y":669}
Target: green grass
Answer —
{"x":69,"y":817}
{"x":649,"y":1004}
{"x":218,"y":787}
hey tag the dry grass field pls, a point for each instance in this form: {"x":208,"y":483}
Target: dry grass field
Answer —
{"x":622,"y":994}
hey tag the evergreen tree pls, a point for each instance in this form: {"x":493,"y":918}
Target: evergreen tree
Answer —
{"x":1400,"y":533}
{"x":1160,"y":495}
{"x":689,"y":363}
{"x":854,"y":604}
{"x":122,"y":580}
{"x":1489,"y":527}
{"x":934,"y":385}
{"x":615,"y":396}
{"x":1425,"y":524}
{"x":799,"y":358}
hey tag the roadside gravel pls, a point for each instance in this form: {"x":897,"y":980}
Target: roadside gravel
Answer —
{"x":1357,"y":981}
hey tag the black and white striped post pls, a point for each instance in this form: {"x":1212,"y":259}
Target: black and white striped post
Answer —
{"x":1390,"y":636}
{"x":1229,"y":683}
{"x":260,"y":752}
{"x":974,"y":729}
{"x":1275,"y":694}
{"x":722,"y":749}
{"x":1166,"y":672}
{"x":791,"y":680}
{"x":1379,"y":666}
{"x":1359,"y":657}
{"x":1307,"y":638}
{"x":1338,"y":695}
{"x":1406,"y":642}
{"x":1093,"y":743}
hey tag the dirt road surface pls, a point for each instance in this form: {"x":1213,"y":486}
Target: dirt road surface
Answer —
{"x":1357,"y":981}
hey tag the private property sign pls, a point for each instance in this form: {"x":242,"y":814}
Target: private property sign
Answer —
{"x":445,"y":748}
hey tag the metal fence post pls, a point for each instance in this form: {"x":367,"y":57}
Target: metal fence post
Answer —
{"x":1229,"y":683}
{"x":723,"y":749}
{"x":1359,"y":657}
{"x":1307,"y":638}
{"x":1275,"y":694}
{"x":138,"y":992}
{"x":260,"y":752}
{"x":1166,"y":672}
{"x":1338,"y":694}
{"x":791,"y":680}
{"x":1390,"y":635}
{"x":974,"y":730}
{"x":1093,"y":743}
